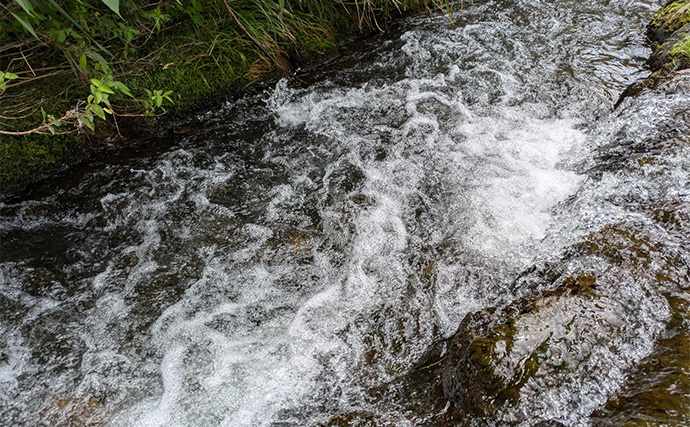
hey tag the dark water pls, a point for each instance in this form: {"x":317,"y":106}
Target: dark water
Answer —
{"x":289,"y":252}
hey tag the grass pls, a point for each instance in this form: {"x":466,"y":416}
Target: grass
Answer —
{"x":681,"y":50}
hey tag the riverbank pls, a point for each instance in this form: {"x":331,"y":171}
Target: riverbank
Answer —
{"x":190,"y":60}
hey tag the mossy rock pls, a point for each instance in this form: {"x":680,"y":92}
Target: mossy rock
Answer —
{"x":668,"y":54}
{"x":669,"y":19}
{"x":669,"y":34}
{"x":561,"y":351}
{"x":25,"y":160}
{"x":658,"y":392}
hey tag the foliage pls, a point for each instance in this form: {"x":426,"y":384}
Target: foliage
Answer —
{"x":155,"y":99}
{"x":69,"y":37}
{"x":4,"y":77}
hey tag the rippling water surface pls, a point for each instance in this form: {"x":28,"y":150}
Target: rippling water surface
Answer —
{"x":277,"y":259}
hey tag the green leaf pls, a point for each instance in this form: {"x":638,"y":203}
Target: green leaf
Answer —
{"x":87,"y":119}
{"x":97,"y":57}
{"x":106,"y":89}
{"x":25,"y":24}
{"x":26,"y":5}
{"x":98,"y":110}
{"x":120,"y":87}
{"x":96,"y":82}
{"x":159,"y":101}
{"x":82,"y":62}
{"x":76,"y":24}
{"x":11,"y":76}
{"x":114,"y":5}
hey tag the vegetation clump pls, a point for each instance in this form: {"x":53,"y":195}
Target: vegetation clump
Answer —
{"x":668,"y":33}
{"x":681,"y":50}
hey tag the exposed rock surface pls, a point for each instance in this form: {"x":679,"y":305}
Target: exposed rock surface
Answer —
{"x":558,"y":353}
{"x":601,"y":335}
{"x":670,"y":27}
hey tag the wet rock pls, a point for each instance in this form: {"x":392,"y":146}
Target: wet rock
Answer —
{"x":353,"y":419}
{"x":78,"y":411}
{"x":658,"y":392}
{"x":670,"y":27}
{"x":563,"y":349}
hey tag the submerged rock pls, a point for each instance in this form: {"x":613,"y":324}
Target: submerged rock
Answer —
{"x":546,"y":352}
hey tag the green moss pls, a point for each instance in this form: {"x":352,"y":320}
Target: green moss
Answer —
{"x":26,"y":159}
{"x":673,"y":16}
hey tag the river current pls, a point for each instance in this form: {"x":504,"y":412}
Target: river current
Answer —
{"x":272,"y":261}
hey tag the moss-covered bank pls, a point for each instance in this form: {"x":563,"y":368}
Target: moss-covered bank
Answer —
{"x":202,"y":59}
{"x":669,"y":36}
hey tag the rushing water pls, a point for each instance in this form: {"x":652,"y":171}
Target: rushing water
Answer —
{"x":276,"y":260}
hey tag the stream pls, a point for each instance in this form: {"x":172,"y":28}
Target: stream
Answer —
{"x":274,"y":261}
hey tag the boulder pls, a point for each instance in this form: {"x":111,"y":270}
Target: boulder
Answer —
{"x":565,"y":347}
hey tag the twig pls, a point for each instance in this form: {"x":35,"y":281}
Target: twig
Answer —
{"x":116,"y":126}
{"x":433,"y":364}
{"x":43,"y":76}
{"x":20,"y":117}
{"x":41,"y":129}
{"x":27,"y":62}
